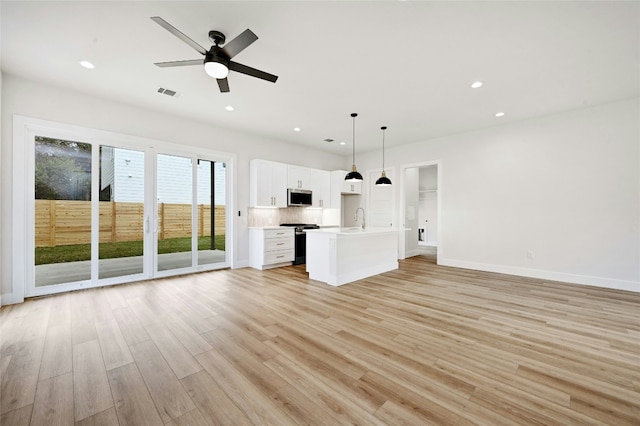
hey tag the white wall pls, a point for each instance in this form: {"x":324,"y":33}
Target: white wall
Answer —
{"x":565,"y":187}
{"x":37,"y":100}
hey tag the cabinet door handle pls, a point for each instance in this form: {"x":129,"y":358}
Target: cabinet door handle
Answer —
{"x":278,"y":257}
{"x":280,"y":244}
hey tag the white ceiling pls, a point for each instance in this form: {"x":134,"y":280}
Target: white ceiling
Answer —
{"x":404,"y":64}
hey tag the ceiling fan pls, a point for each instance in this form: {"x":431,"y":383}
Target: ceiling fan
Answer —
{"x":217,"y":60}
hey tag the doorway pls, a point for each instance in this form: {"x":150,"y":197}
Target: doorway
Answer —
{"x":421,"y":209}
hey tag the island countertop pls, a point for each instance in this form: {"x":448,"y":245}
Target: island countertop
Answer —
{"x":339,"y":256}
{"x":353,"y":231}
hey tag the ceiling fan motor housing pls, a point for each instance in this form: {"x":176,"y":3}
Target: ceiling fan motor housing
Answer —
{"x":217,"y":54}
{"x":216,"y":37}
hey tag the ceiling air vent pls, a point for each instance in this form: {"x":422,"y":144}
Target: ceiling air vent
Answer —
{"x":169,"y":92}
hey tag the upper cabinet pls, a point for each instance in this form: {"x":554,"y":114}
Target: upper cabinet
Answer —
{"x":268,"y":184}
{"x":269,"y":181}
{"x":298,"y":177}
{"x":315,"y":180}
{"x":321,"y":187}
{"x":341,"y":186}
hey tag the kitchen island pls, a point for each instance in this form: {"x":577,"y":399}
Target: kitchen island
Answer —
{"x":339,"y":256}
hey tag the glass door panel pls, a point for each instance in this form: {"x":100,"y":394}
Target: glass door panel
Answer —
{"x":121,"y":245}
{"x":211,"y":212}
{"x":62,"y":211}
{"x":174,"y":212}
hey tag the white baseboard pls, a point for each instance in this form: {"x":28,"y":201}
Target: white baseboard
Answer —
{"x":545,"y":275}
{"x":412,"y":253}
{"x":241,"y":264}
{"x":11,"y":299}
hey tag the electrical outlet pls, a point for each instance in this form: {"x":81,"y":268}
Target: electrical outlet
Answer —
{"x":529,"y":254}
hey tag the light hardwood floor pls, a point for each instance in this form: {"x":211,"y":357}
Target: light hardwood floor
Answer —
{"x":421,"y":345}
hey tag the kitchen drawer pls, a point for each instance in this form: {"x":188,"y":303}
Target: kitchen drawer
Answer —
{"x":278,"y":233}
{"x":272,"y":244}
{"x":279,"y":256}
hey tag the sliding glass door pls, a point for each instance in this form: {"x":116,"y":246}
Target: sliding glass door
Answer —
{"x":62,"y":228}
{"x":122,"y":216}
{"x":211,"y":212}
{"x":175,"y":211}
{"x":104,"y":213}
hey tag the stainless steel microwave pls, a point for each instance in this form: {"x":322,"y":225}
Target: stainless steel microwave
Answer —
{"x":299,"y":197}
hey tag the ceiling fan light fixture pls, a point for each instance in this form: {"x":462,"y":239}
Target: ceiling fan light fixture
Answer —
{"x":383,"y":180}
{"x":353,"y":175}
{"x":216,"y":69}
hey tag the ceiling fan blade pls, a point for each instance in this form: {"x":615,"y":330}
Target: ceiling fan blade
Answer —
{"x":223,"y":84}
{"x":176,"y":32}
{"x":252,"y":72}
{"x":238,"y":44}
{"x":179,"y":63}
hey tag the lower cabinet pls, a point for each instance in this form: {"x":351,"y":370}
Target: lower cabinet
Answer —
{"x":271,"y":247}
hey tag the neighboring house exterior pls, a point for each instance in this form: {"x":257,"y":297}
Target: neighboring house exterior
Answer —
{"x":122,"y":178}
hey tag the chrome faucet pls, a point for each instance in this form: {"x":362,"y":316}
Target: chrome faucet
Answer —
{"x":356,"y":216}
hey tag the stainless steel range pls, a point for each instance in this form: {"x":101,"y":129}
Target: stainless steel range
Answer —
{"x":301,"y":240}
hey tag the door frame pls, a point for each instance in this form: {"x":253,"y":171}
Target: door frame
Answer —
{"x":22,"y":237}
{"x":403,"y":206}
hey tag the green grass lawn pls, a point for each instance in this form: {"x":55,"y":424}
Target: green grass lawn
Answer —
{"x":77,"y":252}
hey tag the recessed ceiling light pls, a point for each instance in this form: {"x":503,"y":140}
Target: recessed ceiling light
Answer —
{"x":476,"y":84}
{"x":499,"y":114}
{"x":229,"y":108}
{"x":88,"y":65}
{"x":343,"y":143}
{"x":296,"y":129}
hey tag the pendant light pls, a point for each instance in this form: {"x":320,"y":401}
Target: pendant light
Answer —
{"x":353,"y":175}
{"x":383,"y":180}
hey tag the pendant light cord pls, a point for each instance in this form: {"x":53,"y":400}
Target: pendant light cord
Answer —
{"x":353,"y":139}
{"x":383,"y":129}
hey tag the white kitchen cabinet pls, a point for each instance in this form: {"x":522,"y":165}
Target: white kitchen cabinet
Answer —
{"x":341,"y":186}
{"x":321,"y":188}
{"x":298,"y":177}
{"x":268,"y":184}
{"x":271,"y":247}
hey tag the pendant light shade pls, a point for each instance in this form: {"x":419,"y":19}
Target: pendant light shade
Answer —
{"x":353,"y":175}
{"x":383,"y":180}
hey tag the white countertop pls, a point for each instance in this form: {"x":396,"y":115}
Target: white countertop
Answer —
{"x":354,"y":231}
{"x":270,"y":227}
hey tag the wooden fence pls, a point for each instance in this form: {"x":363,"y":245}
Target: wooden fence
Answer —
{"x":62,"y":222}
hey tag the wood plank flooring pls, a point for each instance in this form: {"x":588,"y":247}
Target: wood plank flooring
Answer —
{"x":421,"y":345}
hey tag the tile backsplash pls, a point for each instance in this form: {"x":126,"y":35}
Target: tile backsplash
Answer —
{"x":274,"y":217}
